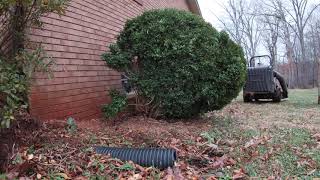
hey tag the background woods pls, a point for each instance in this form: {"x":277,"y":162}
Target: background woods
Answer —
{"x":286,"y":30}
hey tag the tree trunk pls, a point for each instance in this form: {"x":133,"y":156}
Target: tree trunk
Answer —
{"x":297,"y":75}
{"x":313,"y":75}
{"x":289,"y":52}
{"x":318,"y":84}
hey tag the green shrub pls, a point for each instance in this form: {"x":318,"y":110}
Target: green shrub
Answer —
{"x":12,"y":87}
{"x":15,"y":80}
{"x":117,"y":105}
{"x":22,"y":58}
{"x":179,"y":62}
{"x":71,"y":125}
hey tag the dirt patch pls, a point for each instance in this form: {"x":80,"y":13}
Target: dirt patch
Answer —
{"x":144,"y":131}
{"x":93,"y":124}
{"x":6,"y":146}
{"x":163,"y":128}
{"x":146,"y":125}
{"x":51,"y":149}
{"x":18,"y":135}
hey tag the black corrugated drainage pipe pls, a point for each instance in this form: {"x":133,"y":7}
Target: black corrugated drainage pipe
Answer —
{"x":159,"y":158}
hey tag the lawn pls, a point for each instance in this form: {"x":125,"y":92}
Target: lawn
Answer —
{"x":299,"y":110}
{"x":272,"y":139}
{"x":262,"y":139}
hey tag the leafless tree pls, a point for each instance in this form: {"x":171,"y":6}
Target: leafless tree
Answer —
{"x":300,"y":15}
{"x":278,"y":25}
{"x":232,"y":23}
{"x":252,"y":31}
{"x":271,"y":37}
{"x":299,"y":12}
{"x":313,"y":49}
{"x":241,"y":25}
{"x":270,"y":19}
{"x":290,"y":18}
{"x":275,"y":9}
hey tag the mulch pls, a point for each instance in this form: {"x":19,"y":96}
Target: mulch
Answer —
{"x":17,"y":134}
{"x":48,"y":150}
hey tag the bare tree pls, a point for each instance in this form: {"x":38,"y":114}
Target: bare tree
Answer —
{"x":318,"y":60}
{"x":252,"y":31}
{"x":313,"y":49}
{"x":241,"y":25}
{"x":293,"y":21}
{"x":269,"y":17}
{"x":300,"y":13}
{"x":271,"y":37}
{"x":283,"y":25}
{"x":232,"y":23}
{"x":301,"y":16}
{"x":285,"y":34}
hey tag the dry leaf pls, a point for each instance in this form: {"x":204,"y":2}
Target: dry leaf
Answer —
{"x":30,"y":156}
{"x":169,"y":174}
{"x":212,"y":178}
{"x":135,"y":177}
{"x":81,"y":178}
{"x":65,"y":176}
{"x":219,"y":163}
{"x":238,"y":174}
{"x":317,"y":136}
{"x":24,"y":178}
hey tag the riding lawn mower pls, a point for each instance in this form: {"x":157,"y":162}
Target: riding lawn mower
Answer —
{"x":263,"y":82}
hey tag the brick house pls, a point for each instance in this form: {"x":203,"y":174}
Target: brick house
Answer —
{"x":76,"y":41}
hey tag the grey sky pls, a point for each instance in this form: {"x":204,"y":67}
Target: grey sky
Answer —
{"x":210,"y":9}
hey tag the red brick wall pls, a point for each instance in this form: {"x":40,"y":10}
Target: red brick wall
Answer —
{"x":76,"y":41}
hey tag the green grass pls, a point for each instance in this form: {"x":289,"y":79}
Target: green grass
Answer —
{"x":298,"y":98}
{"x":288,"y":162}
{"x":299,"y":110}
{"x":295,"y":137}
{"x":250,"y":133}
{"x":290,"y":124}
{"x":290,"y":147}
{"x":315,"y":155}
{"x":303,"y":98}
{"x":213,"y":135}
{"x":252,"y":169}
{"x":3,"y":176}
